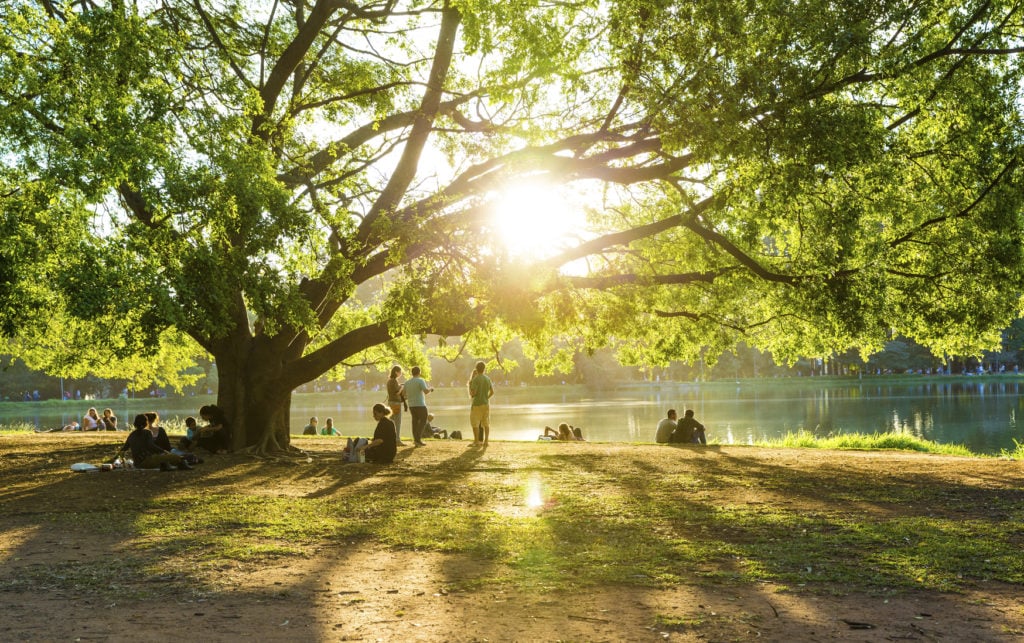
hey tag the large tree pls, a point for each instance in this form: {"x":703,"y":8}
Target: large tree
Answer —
{"x":804,"y":176}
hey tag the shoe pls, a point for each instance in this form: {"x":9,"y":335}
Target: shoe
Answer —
{"x":184,"y":466}
{"x":421,"y":444}
{"x":402,"y":444}
{"x":164,"y":466}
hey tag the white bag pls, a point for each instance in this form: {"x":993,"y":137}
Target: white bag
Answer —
{"x":354,"y":446}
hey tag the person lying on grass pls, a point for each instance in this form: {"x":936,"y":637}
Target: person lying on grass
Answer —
{"x":565,"y":433}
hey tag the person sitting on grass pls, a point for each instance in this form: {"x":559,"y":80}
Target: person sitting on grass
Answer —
{"x":431,"y":431}
{"x":310,"y":429}
{"x":215,"y":436}
{"x":384,"y":445}
{"x":145,"y":453}
{"x":689,"y":430}
{"x":91,"y":421}
{"x":665,"y":428}
{"x":329,"y":428}
{"x":160,"y":436}
{"x":109,"y":420}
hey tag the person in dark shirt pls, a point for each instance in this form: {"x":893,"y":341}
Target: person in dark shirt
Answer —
{"x":384,"y":445}
{"x":160,"y":436}
{"x":215,"y":436}
{"x":145,"y":453}
{"x":688,"y":430}
{"x":109,"y":420}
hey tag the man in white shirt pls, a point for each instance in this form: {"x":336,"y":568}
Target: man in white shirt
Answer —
{"x":666,"y":427}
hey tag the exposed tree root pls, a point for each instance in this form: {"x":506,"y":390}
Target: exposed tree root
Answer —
{"x":268,"y":448}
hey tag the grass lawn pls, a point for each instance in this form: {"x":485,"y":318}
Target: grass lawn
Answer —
{"x":527,"y":519}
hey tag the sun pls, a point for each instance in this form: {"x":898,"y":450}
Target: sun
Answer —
{"x":536,"y":220}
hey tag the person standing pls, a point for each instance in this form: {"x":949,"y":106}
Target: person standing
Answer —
{"x":416,"y":390}
{"x":396,"y":397}
{"x":480,"y":389}
{"x":665,"y":428}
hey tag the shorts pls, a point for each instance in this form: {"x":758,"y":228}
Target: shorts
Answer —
{"x":480,"y":416}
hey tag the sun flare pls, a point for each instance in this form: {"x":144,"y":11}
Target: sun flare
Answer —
{"x":534,"y":494}
{"x":535,"y":220}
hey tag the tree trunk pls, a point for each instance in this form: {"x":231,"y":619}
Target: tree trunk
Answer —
{"x":256,"y":400}
{"x":257,"y":375}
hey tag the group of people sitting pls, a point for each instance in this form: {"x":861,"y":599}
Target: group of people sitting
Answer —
{"x":150,"y":446}
{"x":91,"y":421}
{"x":383,"y":446}
{"x":685,"y":431}
{"x":565,"y":433}
{"x":310,"y":429}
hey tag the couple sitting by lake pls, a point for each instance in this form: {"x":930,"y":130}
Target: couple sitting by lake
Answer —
{"x":685,"y":431}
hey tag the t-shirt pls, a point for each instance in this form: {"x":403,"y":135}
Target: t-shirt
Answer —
{"x":385,"y":452}
{"x":394,"y":392}
{"x":684,"y":430}
{"x":416,"y":391}
{"x":141,"y":443}
{"x":665,"y":429}
{"x":161,"y":439}
{"x":216,"y":416}
{"x":480,"y":388}
{"x":309,"y":430}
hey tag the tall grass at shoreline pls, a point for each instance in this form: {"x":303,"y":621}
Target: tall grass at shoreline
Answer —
{"x":868,"y":442}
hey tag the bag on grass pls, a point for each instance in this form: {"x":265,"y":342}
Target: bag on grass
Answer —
{"x":354,"y":444}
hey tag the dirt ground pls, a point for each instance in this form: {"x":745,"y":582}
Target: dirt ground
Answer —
{"x":375,"y":594}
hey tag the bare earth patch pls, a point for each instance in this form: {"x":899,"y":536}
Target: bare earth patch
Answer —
{"x":334,"y":591}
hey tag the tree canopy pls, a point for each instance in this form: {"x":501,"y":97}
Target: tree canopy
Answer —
{"x":805,"y":177}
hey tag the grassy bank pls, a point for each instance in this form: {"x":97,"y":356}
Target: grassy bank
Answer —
{"x":541,"y":516}
{"x":792,"y":440}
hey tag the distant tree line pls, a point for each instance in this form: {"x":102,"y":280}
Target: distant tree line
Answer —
{"x":602,"y":369}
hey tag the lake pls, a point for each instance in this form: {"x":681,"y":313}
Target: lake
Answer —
{"x":978,"y":413}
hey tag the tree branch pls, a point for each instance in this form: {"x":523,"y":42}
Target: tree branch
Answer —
{"x":210,"y":29}
{"x":423,"y":121}
{"x":290,"y":60}
{"x":326,"y":357}
{"x":909,"y":236}
{"x":611,"y":281}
